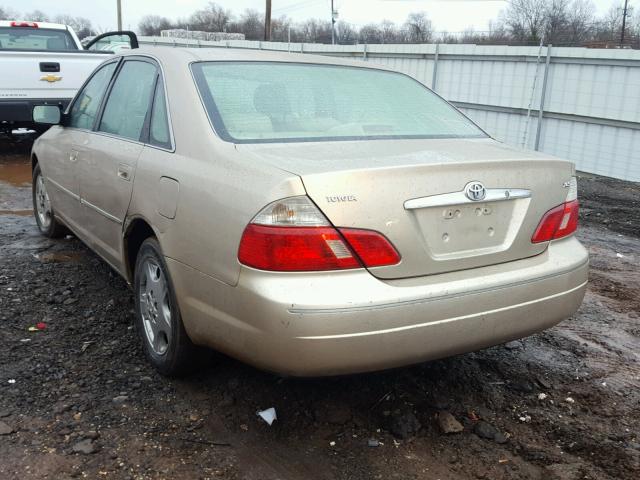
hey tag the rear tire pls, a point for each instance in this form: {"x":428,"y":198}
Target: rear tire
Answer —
{"x":48,"y":225}
{"x":158,"y":321}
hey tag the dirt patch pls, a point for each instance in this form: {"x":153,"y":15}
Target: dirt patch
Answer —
{"x":610,"y":203}
{"x":78,"y":399}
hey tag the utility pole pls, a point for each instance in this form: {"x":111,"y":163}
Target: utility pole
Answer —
{"x":119,"y":14}
{"x":267,"y":22}
{"x":624,"y":21}
{"x":333,"y":25}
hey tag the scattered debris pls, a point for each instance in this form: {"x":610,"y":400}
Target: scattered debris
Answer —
{"x":38,"y":327}
{"x":542,"y":396}
{"x":525,"y":418}
{"x":514,"y":345}
{"x":448,"y":423}
{"x":120,"y":399}
{"x":268,"y":415}
{"x":85,"y":447}
{"x":372,"y":442}
{"x":11,"y":381}
{"x":404,"y":424}
{"x":5,"y":429}
{"x":569,"y":400}
{"x":332,"y":443}
{"x":489,"y":432}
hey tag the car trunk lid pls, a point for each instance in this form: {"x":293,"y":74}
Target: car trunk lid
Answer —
{"x":413,"y":191}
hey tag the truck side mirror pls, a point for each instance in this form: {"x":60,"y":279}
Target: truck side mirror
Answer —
{"x":113,"y":42}
{"x":47,"y":114}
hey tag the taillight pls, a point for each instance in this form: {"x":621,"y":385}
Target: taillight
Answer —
{"x":557,"y":223}
{"x":372,"y":247}
{"x":292,"y":235}
{"x":24,"y":24}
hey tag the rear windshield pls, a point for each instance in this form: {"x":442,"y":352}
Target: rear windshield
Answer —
{"x":253,"y":102}
{"x":28,"y":38}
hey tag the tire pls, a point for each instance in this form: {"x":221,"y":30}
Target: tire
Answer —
{"x":47,"y":222}
{"x":158,"y":321}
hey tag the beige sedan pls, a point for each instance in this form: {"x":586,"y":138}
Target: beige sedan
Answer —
{"x":307,"y":215}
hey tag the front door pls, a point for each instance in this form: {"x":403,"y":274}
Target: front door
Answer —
{"x":108,"y":167}
{"x":70,"y":142}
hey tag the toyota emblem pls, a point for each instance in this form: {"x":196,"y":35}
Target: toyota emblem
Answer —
{"x":475,"y":191}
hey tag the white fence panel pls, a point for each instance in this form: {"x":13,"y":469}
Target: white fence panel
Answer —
{"x":590,"y":98}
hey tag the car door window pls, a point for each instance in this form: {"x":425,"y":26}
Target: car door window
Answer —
{"x":159,"y":126}
{"x":85,"y":108}
{"x":128,"y":102}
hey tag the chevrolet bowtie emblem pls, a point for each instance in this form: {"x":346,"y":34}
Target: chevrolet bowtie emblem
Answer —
{"x":50,"y":78}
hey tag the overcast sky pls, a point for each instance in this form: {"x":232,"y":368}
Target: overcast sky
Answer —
{"x":450,"y":15}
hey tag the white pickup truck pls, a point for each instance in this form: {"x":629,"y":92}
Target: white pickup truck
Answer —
{"x":45,"y":64}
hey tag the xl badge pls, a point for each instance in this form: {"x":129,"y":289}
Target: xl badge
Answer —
{"x":475,"y":191}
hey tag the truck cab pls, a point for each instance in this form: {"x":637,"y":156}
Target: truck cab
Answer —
{"x":45,"y":64}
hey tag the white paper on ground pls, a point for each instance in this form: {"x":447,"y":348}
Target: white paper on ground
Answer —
{"x":268,"y":415}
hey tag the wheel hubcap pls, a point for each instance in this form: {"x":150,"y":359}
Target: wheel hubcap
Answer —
{"x":43,"y":205}
{"x":155,"y":307}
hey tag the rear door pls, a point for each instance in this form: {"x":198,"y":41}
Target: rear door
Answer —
{"x":108,"y":166}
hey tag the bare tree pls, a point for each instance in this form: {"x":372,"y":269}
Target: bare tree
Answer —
{"x":8,"y":14}
{"x":418,"y":28}
{"x":370,"y":33}
{"x":389,"y":32}
{"x":316,"y":31}
{"x":347,"y":35}
{"x":212,"y":18}
{"x":525,"y":19}
{"x":82,"y":26}
{"x":153,"y":25}
{"x":251,"y":24}
{"x":280,"y":29}
{"x":37,"y":16}
{"x":580,"y":21}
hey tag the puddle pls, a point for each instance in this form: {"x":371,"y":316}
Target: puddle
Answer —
{"x":20,"y":213}
{"x":15,"y":170}
{"x":58,"y":257}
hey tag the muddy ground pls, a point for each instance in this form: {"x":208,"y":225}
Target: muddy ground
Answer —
{"x":78,"y":399}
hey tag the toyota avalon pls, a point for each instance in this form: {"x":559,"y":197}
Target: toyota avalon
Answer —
{"x":305,"y":214}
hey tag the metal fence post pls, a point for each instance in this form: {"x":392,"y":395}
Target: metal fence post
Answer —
{"x":435,"y":68}
{"x":543,"y":94}
{"x":364,"y":52}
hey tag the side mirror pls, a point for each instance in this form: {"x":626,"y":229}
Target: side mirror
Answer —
{"x":47,"y":114}
{"x":113,"y":42}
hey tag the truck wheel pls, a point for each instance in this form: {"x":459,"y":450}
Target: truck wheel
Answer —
{"x":43,"y":210}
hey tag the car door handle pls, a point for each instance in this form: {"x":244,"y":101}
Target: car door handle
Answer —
{"x":124,"y":172}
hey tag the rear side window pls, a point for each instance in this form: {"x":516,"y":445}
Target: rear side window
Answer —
{"x":85,"y":108}
{"x":31,"y":38}
{"x":128,"y":102}
{"x":159,"y":126}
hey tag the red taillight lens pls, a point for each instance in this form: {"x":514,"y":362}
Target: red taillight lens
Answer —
{"x":557,"y":223}
{"x":304,"y":249}
{"x":373,"y":248}
{"x":24,"y":24}
{"x":295,"y":249}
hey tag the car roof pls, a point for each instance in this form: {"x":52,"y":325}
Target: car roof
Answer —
{"x":221,"y":54}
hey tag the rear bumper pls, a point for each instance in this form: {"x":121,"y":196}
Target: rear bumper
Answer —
{"x":21,"y":110}
{"x":347,"y":322}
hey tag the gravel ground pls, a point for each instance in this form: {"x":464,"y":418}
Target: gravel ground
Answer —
{"x":78,"y":399}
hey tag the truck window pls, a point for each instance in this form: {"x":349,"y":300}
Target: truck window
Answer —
{"x":33,"y":38}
